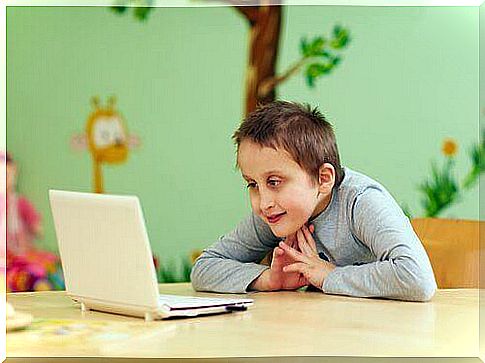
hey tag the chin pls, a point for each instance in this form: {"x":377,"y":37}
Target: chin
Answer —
{"x":279,"y":233}
{"x":283,"y":231}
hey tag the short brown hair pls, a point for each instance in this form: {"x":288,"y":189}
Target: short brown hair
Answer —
{"x":297,"y":128}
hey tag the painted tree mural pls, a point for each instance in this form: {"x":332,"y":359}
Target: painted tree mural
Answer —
{"x":318,"y":56}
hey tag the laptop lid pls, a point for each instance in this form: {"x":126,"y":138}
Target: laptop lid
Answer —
{"x":104,"y":248}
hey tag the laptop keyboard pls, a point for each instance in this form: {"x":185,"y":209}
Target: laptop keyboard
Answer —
{"x":190,"y":302}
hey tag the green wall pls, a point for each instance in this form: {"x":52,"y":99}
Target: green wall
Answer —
{"x":408,"y":80}
{"x":481,"y":196}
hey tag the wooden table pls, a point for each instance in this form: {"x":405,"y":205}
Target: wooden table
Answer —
{"x":280,"y":324}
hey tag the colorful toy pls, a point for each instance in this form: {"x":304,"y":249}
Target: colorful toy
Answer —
{"x":34,"y":271}
{"x":27,"y":267}
{"x":3,"y":221}
{"x":23,"y":220}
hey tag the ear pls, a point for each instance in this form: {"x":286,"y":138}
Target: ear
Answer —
{"x":133,"y":141}
{"x":79,"y":142}
{"x":95,"y":102}
{"x":326,"y":178}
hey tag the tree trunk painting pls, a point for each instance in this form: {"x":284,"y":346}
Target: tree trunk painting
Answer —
{"x":264,"y":36}
{"x":319,"y":56}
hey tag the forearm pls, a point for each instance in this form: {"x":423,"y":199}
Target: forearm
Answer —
{"x":393,"y":279}
{"x":224,"y":275}
{"x":230,"y":264}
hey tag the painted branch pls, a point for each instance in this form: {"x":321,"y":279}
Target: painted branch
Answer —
{"x":268,"y":85}
{"x":250,"y":12}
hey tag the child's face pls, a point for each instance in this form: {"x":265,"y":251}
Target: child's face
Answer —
{"x":281,"y":192}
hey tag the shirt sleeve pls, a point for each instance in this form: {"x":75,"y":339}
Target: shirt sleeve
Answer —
{"x":402,"y":270}
{"x":231,"y":264}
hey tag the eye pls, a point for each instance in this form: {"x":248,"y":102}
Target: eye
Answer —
{"x":251,"y":185}
{"x":274,"y":182}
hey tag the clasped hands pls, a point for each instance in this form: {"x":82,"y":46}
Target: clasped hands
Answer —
{"x":295,"y":264}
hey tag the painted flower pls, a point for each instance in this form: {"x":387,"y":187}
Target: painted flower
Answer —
{"x":450,"y":148}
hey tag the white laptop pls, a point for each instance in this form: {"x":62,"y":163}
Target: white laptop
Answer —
{"x":107,"y":259}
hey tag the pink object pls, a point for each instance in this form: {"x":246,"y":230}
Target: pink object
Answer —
{"x":30,"y":271}
{"x":27,"y":268}
{"x":23,"y":222}
{"x":3,"y":218}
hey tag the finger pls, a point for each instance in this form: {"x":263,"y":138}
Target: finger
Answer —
{"x":300,"y":238}
{"x":278,"y":252}
{"x":309,"y":239}
{"x":276,"y":262}
{"x":311,"y":228}
{"x":299,"y":235}
{"x":296,"y":267}
{"x":294,"y":253}
{"x":303,"y":244}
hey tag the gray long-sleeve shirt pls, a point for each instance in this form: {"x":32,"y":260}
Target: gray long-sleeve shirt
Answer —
{"x":363,"y":231}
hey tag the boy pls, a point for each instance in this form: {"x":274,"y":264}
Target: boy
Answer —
{"x":330,"y":227}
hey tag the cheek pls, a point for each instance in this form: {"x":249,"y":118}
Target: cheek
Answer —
{"x":299,"y":204}
{"x":253,"y":198}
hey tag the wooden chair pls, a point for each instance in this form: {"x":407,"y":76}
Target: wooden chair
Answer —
{"x":453,"y":248}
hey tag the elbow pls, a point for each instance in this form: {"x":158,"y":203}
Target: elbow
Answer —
{"x":425,"y":291}
{"x":418,"y":284}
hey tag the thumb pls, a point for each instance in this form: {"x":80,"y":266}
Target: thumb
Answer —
{"x":277,"y":261}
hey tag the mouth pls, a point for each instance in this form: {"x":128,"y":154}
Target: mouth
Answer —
{"x":275,"y":218}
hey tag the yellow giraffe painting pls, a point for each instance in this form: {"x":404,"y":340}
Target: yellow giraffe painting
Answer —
{"x":106,"y":138}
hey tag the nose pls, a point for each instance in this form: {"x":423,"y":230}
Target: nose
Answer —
{"x":266,"y":201}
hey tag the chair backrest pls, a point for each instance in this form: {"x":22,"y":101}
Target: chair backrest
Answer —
{"x":453,"y":248}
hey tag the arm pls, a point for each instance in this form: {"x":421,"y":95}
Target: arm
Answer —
{"x":30,"y":216}
{"x":229,"y":265}
{"x":402,"y":270}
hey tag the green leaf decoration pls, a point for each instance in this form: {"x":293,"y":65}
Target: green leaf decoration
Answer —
{"x":304,"y":47}
{"x":169,"y":273}
{"x":336,"y":60}
{"x":337,"y":29}
{"x":141,"y":13}
{"x":316,"y":70}
{"x":166,"y":273}
{"x":186,"y":270}
{"x":310,"y":80}
{"x":317,"y":45}
{"x":340,"y":37}
{"x":315,"y":48}
{"x":119,"y":9}
{"x":440,"y":190}
{"x":141,"y":8}
{"x":477,"y":156}
{"x":323,"y":54}
{"x":407,"y":211}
